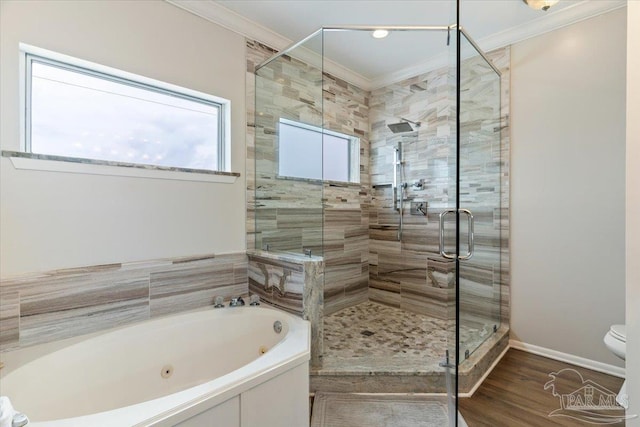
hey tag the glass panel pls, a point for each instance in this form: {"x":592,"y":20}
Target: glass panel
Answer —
{"x":480,"y":194}
{"x":288,"y":213}
{"x":430,"y":144}
{"x":406,"y":123}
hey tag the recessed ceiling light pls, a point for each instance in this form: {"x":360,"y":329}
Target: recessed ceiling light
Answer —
{"x":540,"y":4}
{"x":380,"y":34}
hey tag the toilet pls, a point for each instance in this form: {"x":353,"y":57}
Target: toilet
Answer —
{"x":616,"y":342}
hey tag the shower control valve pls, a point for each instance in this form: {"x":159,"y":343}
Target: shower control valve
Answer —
{"x":419,"y":208}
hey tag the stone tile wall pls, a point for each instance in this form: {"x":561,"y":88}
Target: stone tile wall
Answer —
{"x":484,"y":186}
{"x":294,"y":283}
{"x":401,"y":274}
{"x":64,"y":303}
{"x":292,"y":214}
{"x":411,"y":274}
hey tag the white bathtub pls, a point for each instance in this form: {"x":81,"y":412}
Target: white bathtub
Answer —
{"x":219,"y":376}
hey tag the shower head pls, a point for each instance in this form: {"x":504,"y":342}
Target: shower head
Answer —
{"x":403,"y":126}
{"x":400,"y":127}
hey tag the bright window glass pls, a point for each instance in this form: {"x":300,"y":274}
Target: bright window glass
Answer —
{"x":85,"y":114}
{"x":310,"y":152}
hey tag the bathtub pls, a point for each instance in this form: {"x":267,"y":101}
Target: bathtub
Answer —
{"x":223,"y":367}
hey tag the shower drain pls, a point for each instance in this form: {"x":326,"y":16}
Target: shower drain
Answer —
{"x":367,"y":333}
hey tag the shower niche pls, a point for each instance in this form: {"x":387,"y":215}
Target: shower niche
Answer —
{"x":382,"y":178}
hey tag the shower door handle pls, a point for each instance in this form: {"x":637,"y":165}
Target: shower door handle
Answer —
{"x":470,"y":238}
{"x":442,"y":250}
{"x":470,"y":235}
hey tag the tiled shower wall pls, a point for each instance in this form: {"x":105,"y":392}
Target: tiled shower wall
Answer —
{"x":484,"y":188}
{"x":296,"y":214}
{"x":64,"y":303}
{"x":411,"y":274}
{"x":399,"y":268}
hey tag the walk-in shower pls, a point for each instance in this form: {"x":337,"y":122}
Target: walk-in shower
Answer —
{"x":381,"y":205}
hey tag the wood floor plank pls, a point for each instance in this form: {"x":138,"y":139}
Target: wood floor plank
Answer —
{"x":513,"y":395}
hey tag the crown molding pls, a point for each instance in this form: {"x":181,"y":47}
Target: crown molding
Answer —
{"x":346,"y":74}
{"x":332,"y":67}
{"x":439,"y":61}
{"x":218,"y":14}
{"x":548,"y":21}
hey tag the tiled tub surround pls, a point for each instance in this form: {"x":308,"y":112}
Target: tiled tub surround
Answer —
{"x":294,"y":283}
{"x":60,"y":304}
{"x":330,"y":218}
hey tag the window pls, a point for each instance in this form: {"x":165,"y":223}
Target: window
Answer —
{"x":310,"y":152}
{"x":93,"y":112}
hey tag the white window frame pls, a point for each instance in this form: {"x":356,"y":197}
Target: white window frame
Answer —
{"x":29,"y":53}
{"x":354,"y":148}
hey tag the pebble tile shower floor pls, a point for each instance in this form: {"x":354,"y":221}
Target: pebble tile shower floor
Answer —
{"x":375,"y":337}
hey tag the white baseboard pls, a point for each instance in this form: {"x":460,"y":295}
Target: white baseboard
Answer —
{"x":616,"y":371}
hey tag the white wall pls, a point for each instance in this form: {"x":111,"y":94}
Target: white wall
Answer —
{"x":633,"y":210}
{"x":54,"y":220}
{"x":568,"y":186}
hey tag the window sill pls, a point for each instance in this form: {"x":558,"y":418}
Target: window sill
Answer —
{"x":320,"y":181}
{"x":44,"y":162}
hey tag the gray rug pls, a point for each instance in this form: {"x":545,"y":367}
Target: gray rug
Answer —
{"x":354,"y":410}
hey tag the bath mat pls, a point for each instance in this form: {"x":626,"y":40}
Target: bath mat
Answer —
{"x":360,"y":410}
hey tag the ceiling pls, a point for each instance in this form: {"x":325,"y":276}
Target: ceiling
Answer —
{"x":359,"y":58}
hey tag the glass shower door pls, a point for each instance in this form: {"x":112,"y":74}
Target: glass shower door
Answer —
{"x":479,"y":200}
{"x":470,"y":228}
